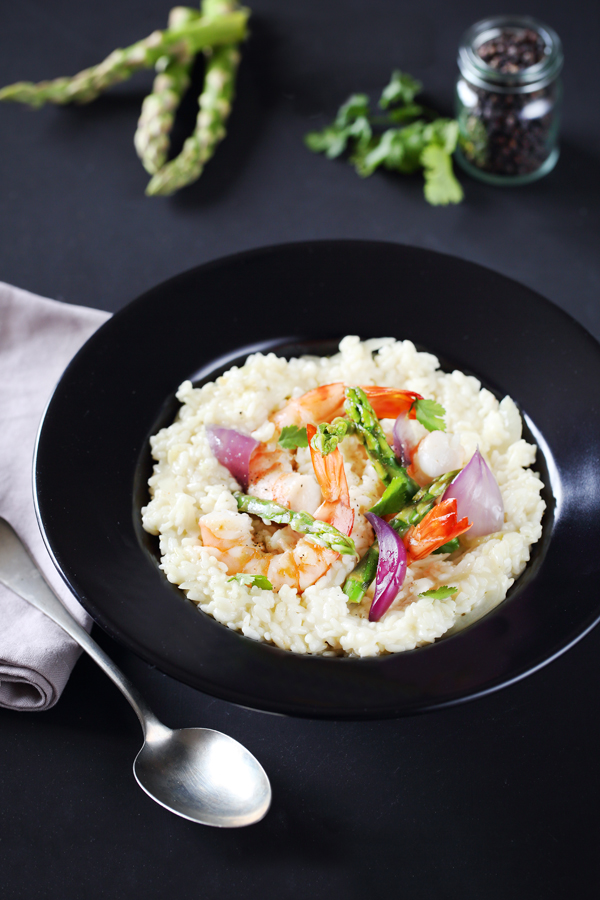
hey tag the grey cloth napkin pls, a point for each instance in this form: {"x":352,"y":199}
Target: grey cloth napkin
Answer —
{"x":38,"y":337}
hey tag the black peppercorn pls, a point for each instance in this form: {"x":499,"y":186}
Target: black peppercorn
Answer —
{"x":507,"y":99}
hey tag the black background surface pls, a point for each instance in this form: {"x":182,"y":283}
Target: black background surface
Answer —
{"x":493,"y":799}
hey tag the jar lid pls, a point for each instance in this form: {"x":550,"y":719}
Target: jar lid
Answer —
{"x":482,"y":75}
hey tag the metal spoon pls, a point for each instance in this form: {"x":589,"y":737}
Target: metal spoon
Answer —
{"x":197,"y":773}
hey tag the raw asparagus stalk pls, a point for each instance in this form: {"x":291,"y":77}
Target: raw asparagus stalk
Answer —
{"x":302,"y":522}
{"x":214,"y":107}
{"x":151,"y":140}
{"x":367,"y":425}
{"x":358,"y":581}
{"x":121,"y":64}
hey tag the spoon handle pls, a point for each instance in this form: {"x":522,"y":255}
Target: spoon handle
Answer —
{"x":20,"y":573}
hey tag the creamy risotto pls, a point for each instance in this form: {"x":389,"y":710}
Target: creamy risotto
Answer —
{"x":275,"y":584}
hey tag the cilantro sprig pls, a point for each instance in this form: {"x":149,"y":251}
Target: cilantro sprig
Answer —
{"x":293,"y":436}
{"x":430,"y":414}
{"x":416,"y":139}
{"x":441,"y":593}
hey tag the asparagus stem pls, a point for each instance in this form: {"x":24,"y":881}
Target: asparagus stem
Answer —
{"x":450,"y":547}
{"x":151,"y":140}
{"x":214,"y":107}
{"x":367,"y":425}
{"x":358,"y":581}
{"x":397,"y":494}
{"x":121,"y":64}
{"x":422,"y":502}
{"x":302,"y":522}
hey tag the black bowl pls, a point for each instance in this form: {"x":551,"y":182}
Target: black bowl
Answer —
{"x":92,"y":462}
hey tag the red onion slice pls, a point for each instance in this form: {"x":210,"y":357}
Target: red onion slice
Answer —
{"x":233,"y":450}
{"x":391,"y":567}
{"x":478,"y":497}
{"x":403,"y":444}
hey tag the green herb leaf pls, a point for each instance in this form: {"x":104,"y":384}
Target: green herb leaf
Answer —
{"x":443,"y":133}
{"x":419,"y":144}
{"x":293,"y":436}
{"x":404,"y":113}
{"x":401,"y":89}
{"x":474,"y":141}
{"x":351,"y":122}
{"x":252,"y":581}
{"x":332,"y":141}
{"x":441,"y":593}
{"x":441,"y":186}
{"x":355,"y":107}
{"x":430,"y":414}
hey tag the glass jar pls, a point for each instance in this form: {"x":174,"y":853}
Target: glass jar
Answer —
{"x":508,"y":98}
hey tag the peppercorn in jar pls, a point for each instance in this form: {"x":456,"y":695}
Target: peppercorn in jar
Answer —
{"x":507,"y":100}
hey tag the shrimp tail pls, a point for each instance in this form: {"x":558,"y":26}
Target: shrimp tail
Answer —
{"x":331,"y":475}
{"x":440,"y":525}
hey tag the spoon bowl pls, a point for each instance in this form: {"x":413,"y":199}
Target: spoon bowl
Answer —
{"x":197,"y":773}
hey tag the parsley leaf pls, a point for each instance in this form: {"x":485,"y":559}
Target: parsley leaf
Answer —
{"x":397,"y":148}
{"x":351,"y":122}
{"x":417,"y":140}
{"x":441,"y":186}
{"x":356,"y":106}
{"x":443,"y":133}
{"x":252,"y":581}
{"x":430,"y":414}
{"x":402,"y":88}
{"x":441,"y":593}
{"x":293,"y":436}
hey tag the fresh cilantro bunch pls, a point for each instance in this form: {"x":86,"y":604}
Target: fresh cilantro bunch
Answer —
{"x":416,"y":139}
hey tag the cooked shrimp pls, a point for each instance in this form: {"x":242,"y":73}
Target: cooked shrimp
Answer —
{"x":271,"y":477}
{"x":439,"y":452}
{"x":228,"y":536}
{"x":327,"y":401}
{"x":320,"y":405}
{"x":331,"y":475}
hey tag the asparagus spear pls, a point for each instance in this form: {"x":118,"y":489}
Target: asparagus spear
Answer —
{"x":302,"y":522}
{"x":358,"y":581}
{"x":214,"y":107}
{"x":151,"y":140}
{"x":329,"y":434}
{"x":121,"y":64}
{"x":422,"y":502}
{"x":368,"y":428}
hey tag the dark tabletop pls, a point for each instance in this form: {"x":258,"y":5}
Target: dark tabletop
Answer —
{"x":491,"y":799}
